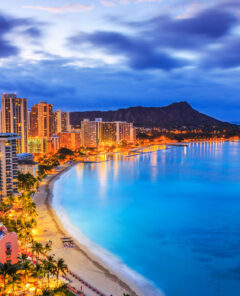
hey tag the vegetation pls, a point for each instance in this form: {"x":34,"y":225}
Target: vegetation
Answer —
{"x":36,"y":271}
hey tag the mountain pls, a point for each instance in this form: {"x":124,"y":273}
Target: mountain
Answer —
{"x":175,"y":115}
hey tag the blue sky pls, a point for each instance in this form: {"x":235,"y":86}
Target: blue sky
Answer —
{"x":108,"y":54}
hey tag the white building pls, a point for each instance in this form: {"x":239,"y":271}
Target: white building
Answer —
{"x":28,"y":167}
{"x":8,"y":164}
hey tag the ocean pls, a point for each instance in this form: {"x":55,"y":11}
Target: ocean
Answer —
{"x":169,"y":220}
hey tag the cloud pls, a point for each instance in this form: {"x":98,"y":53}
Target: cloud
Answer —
{"x":165,"y":42}
{"x":64,"y":8}
{"x":139,"y":53}
{"x":225,"y":57}
{"x":7,"y":50}
{"x":16,"y":27}
{"x":33,"y":32}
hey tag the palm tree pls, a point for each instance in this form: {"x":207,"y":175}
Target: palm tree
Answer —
{"x":37,"y":273}
{"x":37,"y":248}
{"x":49,"y":266}
{"x":25,"y":266}
{"x":47,"y":248}
{"x":61,"y":267}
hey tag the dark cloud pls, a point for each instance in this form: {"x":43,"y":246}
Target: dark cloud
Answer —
{"x":140,"y":54}
{"x":210,"y":23}
{"x":8,"y":24}
{"x":155,"y":39}
{"x":33,"y":32}
{"x":6,"y":49}
{"x":225,"y":57}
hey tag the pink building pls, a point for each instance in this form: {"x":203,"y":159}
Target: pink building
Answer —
{"x":8,"y":246}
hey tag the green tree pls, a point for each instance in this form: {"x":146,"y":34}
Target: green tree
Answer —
{"x":61,"y":267}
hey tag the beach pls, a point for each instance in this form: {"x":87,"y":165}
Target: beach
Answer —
{"x":79,"y":259}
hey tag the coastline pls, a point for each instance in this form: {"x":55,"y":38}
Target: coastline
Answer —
{"x":80,"y":259}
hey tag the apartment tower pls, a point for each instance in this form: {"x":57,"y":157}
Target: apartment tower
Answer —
{"x":62,"y":122}
{"x":14,"y":119}
{"x":8,"y":164}
{"x":42,"y":120}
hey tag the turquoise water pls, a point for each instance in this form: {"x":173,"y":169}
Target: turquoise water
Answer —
{"x":172,"y":215}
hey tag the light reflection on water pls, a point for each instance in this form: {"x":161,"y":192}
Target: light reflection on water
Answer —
{"x":172,"y":215}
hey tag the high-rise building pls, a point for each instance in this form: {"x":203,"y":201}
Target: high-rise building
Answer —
{"x":8,"y":164}
{"x":132,"y":133}
{"x":109,"y":133}
{"x":62,"y":121}
{"x":53,"y":144}
{"x":94,"y":133}
{"x":90,"y":133}
{"x":42,"y":120}
{"x":14,"y":119}
{"x":71,"y":141}
{"x":37,"y":145}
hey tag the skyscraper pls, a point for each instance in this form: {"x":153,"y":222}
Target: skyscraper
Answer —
{"x":42,"y":120}
{"x":62,"y":121}
{"x":90,"y":133}
{"x":98,"y":132}
{"x":14,"y":119}
{"x":8,"y":164}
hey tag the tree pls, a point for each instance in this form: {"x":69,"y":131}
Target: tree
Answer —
{"x":49,"y":267}
{"x":65,"y":151}
{"x":61,"y":267}
{"x":37,"y":273}
{"x":26,"y":181}
{"x":37,"y":248}
{"x":47,"y":248}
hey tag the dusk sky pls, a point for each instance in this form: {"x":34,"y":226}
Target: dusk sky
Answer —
{"x":106,"y":54}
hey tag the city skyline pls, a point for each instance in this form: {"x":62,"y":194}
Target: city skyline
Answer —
{"x":103,"y":55}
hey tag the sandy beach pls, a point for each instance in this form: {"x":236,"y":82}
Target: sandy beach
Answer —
{"x":79,"y":259}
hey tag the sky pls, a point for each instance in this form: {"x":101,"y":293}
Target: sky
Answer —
{"x":109,"y":54}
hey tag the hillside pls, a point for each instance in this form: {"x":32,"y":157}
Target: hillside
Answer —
{"x":175,"y":115}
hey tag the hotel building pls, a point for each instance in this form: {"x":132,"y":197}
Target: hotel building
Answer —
{"x":90,"y":133}
{"x":8,"y":164}
{"x":62,"y":122}
{"x":53,"y":144}
{"x":71,"y":141}
{"x":37,"y":145}
{"x":14,"y":119}
{"x":28,"y":166}
{"x":98,"y":132}
{"x":42,"y":120}
{"x":8,"y":246}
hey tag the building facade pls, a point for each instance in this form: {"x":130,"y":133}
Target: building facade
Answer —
{"x":14,"y":119}
{"x":90,"y":131}
{"x":37,"y":145}
{"x":98,"y":132}
{"x":62,"y":121}
{"x":8,"y":246}
{"x":42,"y":120}
{"x":53,"y":144}
{"x":28,"y":166}
{"x":8,"y":164}
{"x":71,"y":141}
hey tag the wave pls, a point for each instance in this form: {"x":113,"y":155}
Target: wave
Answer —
{"x":116,"y":264}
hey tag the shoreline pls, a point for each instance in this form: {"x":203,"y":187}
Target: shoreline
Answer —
{"x":80,"y":259}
